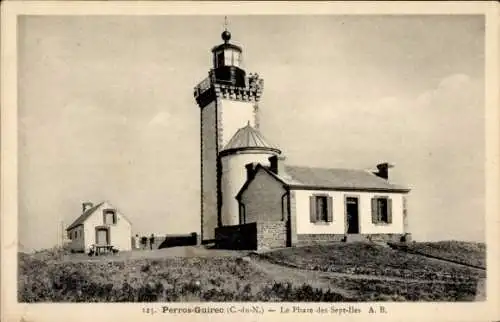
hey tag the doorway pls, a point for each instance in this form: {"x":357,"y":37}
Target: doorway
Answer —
{"x":102,"y":236}
{"x":352,"y":215}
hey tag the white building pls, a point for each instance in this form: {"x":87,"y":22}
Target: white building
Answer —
{"x":310,"y":205}
{"x":100,"y":224}
{"x":250,"y":198}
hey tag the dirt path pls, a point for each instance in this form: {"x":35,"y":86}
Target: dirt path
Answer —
{"x":297,"y":276}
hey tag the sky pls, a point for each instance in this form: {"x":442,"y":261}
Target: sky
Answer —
{"x":106,"y":112}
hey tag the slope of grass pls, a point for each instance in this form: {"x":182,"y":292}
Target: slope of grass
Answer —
{"x":371,"y":259}
{"x":48,"y":277}
{"x":389,"y":290}
{"x":150,"y":280}
{"x":467,"y":253}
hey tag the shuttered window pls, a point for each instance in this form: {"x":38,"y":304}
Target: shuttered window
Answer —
{"x":405,"y":214}
{"x":381,"y":210}
{"x":320,"y":208}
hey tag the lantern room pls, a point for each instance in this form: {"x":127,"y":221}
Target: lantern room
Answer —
{"x":227,"y":62}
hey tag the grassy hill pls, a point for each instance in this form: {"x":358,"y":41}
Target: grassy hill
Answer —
{"x":467,"y":253}
{"x":335,"y":272}
{"x":375,"y":260}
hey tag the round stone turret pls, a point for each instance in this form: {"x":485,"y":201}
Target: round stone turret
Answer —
{"x":247,"y":146}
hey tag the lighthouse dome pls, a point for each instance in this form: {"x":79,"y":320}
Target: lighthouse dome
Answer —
{"x":247,"y":146}
{"x":248,"y":138}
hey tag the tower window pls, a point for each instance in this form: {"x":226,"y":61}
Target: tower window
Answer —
{"x":220,"y":59}
{"x":236,"y":59}
{"x":228,"y":57}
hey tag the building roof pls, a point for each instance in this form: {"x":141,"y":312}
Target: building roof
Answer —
{"x":311,"y":178}
{"x":86,"y":214}
{"x":248,"y":138}
{"x":335,"y":178}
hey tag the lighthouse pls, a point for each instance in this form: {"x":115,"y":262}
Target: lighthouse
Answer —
{"x":228,"y":100}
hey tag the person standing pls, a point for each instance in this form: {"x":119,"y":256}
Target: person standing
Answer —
{"x":151,"y":241}
{"x":136,"y":241}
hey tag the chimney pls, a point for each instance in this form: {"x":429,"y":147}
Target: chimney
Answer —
{"x":383,"y":170}
{"x":277,"y":164}
{"x":86,"y":206}
{"x":250,"y":170}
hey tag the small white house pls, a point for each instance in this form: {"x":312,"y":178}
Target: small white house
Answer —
{"x":100,"y":224}
{"x":304,"y":205}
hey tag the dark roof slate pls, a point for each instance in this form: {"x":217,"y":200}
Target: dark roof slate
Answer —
{"x":335,"y":178}
{"x":84,"y":216}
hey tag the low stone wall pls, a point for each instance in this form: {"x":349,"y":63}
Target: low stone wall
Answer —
{"x":242,"y":237}
{"x":252,"y":236}
{"x":388,"y":237}
{"x":179,"y":240}
{"x":167,"y":241}
{"x":312,"y":239}
{"x":271,"y":234}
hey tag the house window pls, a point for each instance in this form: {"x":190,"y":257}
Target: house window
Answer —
{"x":109,"y":217}
{"x":321,"y":209}
{"x":381,"y":210}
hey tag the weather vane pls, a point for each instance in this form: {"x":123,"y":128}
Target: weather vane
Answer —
{"x":225,"y":23}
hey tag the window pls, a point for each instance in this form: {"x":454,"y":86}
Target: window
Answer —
{"x":228,"y":57}
{"x":109,"y":217}
{"x":220,"y":59}
{"x":381,"y":210}
{"x":236,"y":59}
{"x":321,"y":209}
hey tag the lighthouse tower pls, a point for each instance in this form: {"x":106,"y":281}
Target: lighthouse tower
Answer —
{"x":228,"y":100}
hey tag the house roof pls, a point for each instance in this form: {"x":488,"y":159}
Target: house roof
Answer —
{"x":335,"y":178}
{"x":86,"y":214}
{"x":248,"y":138}
{"x":311,"y":178}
